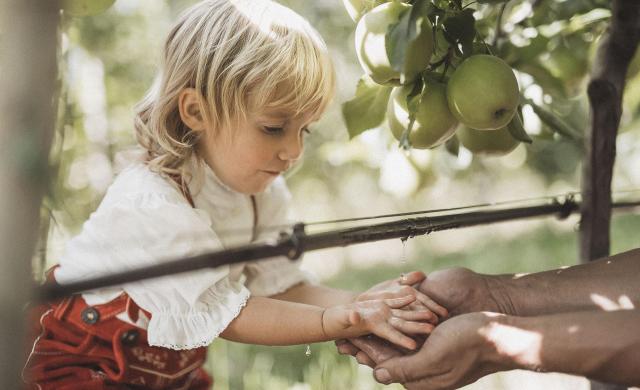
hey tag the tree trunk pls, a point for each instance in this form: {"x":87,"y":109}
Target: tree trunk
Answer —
{"x":28,"y":67}
{"x":605,"y":96}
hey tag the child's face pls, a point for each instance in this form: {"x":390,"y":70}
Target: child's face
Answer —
{"x":251,"y":153}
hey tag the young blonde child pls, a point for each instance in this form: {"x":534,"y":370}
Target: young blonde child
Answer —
{"x":240,"y":82}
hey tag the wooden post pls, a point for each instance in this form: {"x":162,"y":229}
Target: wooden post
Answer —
{"x":605,"y":91}
{"x":28,"y":74}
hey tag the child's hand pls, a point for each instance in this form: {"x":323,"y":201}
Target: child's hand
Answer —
{"x":400,"y":287}
{"x":382,"y":317}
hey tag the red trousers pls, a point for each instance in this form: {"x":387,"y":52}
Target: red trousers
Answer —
{"x":81,"y":347}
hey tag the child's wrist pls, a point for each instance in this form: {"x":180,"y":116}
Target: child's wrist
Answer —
{"x":336,"y":324}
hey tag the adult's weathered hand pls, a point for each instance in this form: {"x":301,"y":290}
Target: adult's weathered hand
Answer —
{"x":369,"y":350}
{"x":462,"y":291}
{"x":455,"y":354}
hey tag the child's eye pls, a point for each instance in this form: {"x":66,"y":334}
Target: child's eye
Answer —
{"x":307,"y":130}
{"x":273,"y":130}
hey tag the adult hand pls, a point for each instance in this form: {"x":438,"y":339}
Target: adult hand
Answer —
{"x":462,"y":291}
{"x":369,"y":350}
{"x":455,"y":354}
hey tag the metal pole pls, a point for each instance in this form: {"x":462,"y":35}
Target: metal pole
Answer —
{"x":294,"y":244}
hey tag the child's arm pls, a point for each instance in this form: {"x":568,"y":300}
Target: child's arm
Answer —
{"x":317,"y":295}
{"x":274,"y":322}
{"x":326,"y":297}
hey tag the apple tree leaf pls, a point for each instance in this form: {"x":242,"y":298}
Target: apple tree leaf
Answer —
{"x":401,"y":34}
{"x":367,"y":109}
{"x":460,"y":29}
{"x":516,"y":129}
{"x":554,"y":122}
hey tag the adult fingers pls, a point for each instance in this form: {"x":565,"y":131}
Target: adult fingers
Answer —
{"x":411,"y":327}
{"x":403,"y":369}
{"x":432,"y":305}
{"x":364,"y":359}
{"x":377,"y":349}
{"x":345,"y":347}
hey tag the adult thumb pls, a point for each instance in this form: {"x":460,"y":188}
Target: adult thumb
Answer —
{"x":400,"y":369}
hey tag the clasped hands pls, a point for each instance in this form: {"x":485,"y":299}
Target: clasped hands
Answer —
{"x":443,"y":360}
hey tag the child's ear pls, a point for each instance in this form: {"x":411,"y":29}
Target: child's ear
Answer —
{"x":189,"y":105}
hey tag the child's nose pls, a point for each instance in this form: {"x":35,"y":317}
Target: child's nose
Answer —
{"x":292,"y":148}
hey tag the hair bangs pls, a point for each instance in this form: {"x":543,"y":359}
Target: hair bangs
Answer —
{"x":299,"y":77}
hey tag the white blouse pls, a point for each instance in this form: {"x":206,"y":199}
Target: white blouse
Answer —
{"x":144,"y":219}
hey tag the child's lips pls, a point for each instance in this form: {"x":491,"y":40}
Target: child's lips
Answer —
{"x":273,"y":173}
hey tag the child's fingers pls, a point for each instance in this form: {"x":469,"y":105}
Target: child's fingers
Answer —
{"x":418,"y":306}
{"x":396,"y":303}
{"x":432,"y":305}
{"x":400,"y":292}
{"x":388,"y":332}
{"x":415,"y":315}
{"x":411,"y":278}
{"x":411,"y":327}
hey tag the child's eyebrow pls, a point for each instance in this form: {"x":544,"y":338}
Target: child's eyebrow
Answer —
{"x":278,"y":115}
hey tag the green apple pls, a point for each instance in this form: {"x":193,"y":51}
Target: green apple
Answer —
{"x":434,"y":123}
{"x":483,"y":92}
{"x":370,"y":44}
{"x":496,"y":142}
{"x":357,"y":8}
{"x":85,"y":7}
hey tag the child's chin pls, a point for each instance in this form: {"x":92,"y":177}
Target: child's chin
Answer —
{"x":257,"y":187}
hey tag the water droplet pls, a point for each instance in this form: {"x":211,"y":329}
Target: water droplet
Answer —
{"x":403,"y":259}
{"x":308,"y":351}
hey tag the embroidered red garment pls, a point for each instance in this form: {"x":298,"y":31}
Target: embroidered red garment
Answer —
{"x":82,"y":347}
{"x":78,"y":346}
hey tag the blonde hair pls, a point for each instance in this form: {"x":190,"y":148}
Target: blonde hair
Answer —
{"x":241,"y":55}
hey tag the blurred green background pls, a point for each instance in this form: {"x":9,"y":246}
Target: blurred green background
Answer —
{"x":108,"y":61}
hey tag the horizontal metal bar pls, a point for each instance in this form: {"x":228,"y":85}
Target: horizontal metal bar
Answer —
{"x":294,"y":244}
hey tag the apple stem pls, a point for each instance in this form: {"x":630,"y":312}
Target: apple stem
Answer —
{"x":499,"y":24}
{"x":405,"y":143}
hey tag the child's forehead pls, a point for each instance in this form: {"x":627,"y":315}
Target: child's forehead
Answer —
{"x":287,"y":115}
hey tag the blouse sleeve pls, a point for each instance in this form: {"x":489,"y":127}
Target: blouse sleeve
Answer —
{"x":277,"y":274}
{"x":188,"y":310}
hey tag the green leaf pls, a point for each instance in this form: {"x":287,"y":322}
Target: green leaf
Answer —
{"x":460,"y":29}
{"x":367,"y":109}
{"x":452,"y":145}
{"x":516,"y":129}
{"x":414,"y":97}
{"x":491,"y":1}
{"x":400,"y":35}
{"x":554,"y":122}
